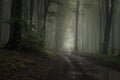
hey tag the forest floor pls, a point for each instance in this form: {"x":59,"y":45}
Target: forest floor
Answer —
{"x":16,"y":65}
{"x":62,"y":66}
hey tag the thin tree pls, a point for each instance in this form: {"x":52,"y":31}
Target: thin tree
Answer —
{"x":46,"y":7}
{"x":77,"y":23}
{"x":101,"y":8}
{"x":31,"y":10}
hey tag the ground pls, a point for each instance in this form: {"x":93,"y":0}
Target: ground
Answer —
{"x":79,"y":67}
{"x":61,"y":66}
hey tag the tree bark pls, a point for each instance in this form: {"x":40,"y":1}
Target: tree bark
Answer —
{"x":15,"y":26}
{"x":1,"y":16}
{"x":31,"y":11}
{"x":43,"y":30}
{"x":77,"y":24}
{"x":109,"y":17}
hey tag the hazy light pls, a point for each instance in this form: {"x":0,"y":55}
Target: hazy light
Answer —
{"x":69,"y":40}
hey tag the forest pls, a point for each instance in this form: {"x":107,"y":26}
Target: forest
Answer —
{"x":59,"y":40}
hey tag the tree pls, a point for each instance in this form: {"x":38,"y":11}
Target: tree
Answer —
{"x":31,"y":10}
{"x":109,"y":5}
{"x":77,"y":23}
{"x":15,"y":26}
{"x":1,"y":14}
{"x":46,"y":10}
{"x":46,"y":7}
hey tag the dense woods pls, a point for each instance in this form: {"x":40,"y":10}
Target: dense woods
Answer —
{"x":86,"y":26}
{"x":46,"y":27}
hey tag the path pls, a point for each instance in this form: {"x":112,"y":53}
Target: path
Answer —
{"x":78,"y":68}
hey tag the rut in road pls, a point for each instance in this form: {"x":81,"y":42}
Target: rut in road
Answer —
{"x":78,"y":72}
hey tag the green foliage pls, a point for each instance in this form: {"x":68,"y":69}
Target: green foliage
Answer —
{"x":47,"y":54}
{"x":34,"y":42}
{"x":31,"y":39}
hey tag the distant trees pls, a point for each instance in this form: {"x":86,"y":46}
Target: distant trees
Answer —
{"x":90,"y":23}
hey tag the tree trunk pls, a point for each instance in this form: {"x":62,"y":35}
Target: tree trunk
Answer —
{"x":109,"y":18}
{"x":1,"y":16}
{"x":43,"y":30}
{"x":31,"y":11}
{"x":15,"y":26}
{"x":77,"y":24}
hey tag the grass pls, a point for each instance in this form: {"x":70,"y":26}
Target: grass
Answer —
{"x":108,"y":58}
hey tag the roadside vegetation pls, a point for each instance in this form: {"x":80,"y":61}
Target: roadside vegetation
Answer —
{"x":16,"y":65}
{"x":108,"y":60}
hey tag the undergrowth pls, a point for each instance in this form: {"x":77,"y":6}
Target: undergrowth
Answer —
{"x":11,"y":62}
{"x":108,"y":58}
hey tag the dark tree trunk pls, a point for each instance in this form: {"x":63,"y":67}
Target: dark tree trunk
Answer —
{"x":15,"y":26}
{"x":109,"y":17}
{"x":1,"y":16}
